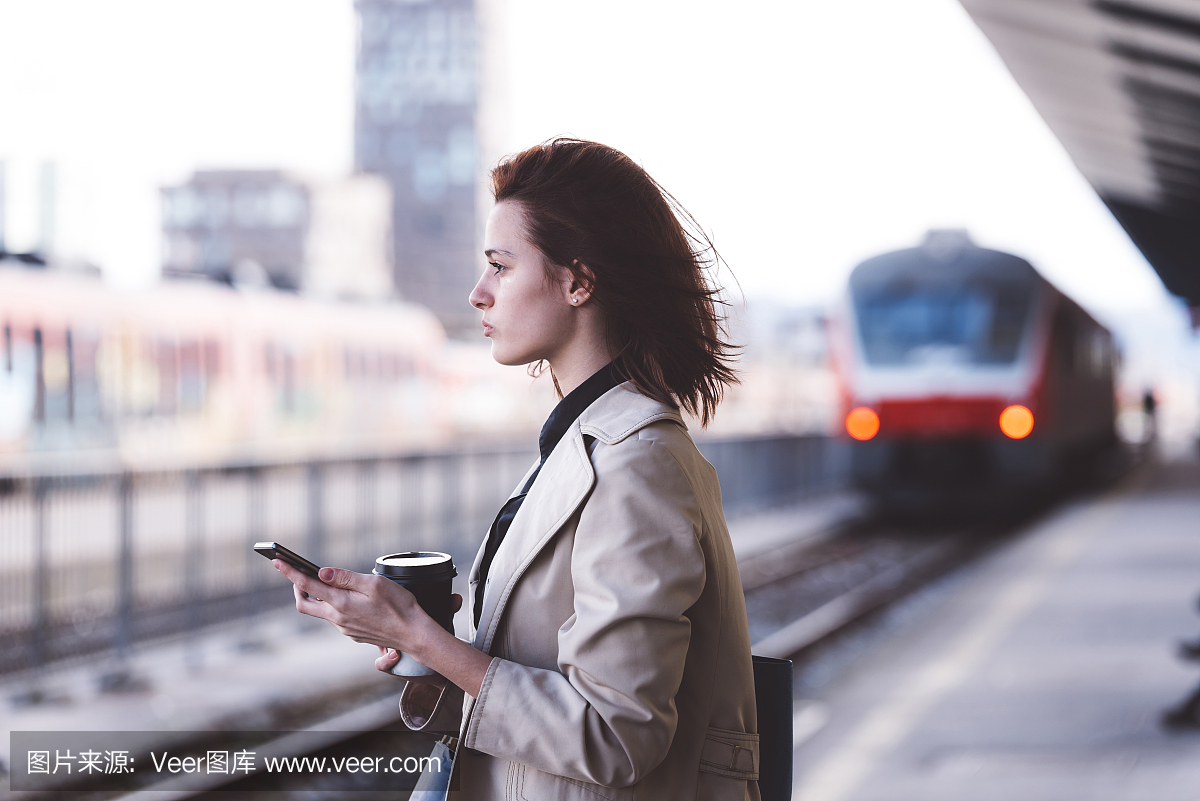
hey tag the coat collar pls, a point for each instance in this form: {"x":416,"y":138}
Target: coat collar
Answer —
{"x":563,"y":485}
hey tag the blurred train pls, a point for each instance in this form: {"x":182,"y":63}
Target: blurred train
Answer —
{"x":192,"y":373}
{"x":964,"y":375}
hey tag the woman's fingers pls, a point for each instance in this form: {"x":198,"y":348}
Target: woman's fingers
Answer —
{"x":308,"y":584}
{"x":345,"y":579}
{"x":388,"y":657}
{"x":308,"y":605}
{"x":456,"y":602}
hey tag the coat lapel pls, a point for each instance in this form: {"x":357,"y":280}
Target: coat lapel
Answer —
{"x":563,"y":484}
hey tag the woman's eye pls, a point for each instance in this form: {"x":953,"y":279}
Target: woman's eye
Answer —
{"x":497,"y":266}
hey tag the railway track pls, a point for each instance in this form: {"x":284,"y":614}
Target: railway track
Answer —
{"x":800,"y":597}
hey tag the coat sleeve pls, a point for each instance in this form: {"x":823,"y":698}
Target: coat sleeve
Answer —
{"x":608,"y":714}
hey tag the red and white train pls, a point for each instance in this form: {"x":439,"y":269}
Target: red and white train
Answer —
{"x":962,"y":370}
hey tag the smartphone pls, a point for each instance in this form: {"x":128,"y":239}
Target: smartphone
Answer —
{"x":273,"y":550}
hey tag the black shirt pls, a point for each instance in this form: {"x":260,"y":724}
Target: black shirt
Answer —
{"x":564,"y":415}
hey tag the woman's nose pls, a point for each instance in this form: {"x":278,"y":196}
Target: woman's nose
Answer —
{"x":480,"y":298}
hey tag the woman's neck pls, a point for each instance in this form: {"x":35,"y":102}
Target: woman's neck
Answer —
{"x":570,"y":373}
{"x":583,"y":352}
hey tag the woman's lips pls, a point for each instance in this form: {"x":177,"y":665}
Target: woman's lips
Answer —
{"x":487,"y":330}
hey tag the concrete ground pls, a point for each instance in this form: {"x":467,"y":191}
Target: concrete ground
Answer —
{"x":1041,"y":674}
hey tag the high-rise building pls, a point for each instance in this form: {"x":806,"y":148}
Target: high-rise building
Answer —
{"x":415,"y":124}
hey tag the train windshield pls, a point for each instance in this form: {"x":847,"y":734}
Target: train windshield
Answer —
{"x":965,"y":324}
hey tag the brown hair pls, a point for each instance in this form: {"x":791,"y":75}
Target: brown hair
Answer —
{"x":589,"y":205}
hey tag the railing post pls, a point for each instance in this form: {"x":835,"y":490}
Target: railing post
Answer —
{"x":119,"y":677}
{"x":124,"y":638}
{"x":39,"y":633}
{"x":366,"y":527}
{"x":412,"y":499}
{"x":194,"y":573}
{"x":252,"y":595}
{"x":315,"y":544}
{"x":255,"y":531}
{"x":452,"y":501}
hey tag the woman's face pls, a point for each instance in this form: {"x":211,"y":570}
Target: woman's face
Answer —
{"x":526,"y":314}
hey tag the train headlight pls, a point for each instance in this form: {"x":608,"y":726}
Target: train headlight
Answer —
{"x":1016,"y":422}
{"x":862,"y":423}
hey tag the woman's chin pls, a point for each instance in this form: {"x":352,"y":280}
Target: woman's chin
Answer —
{"x":500,"y":357}
{"x":507,"y":357}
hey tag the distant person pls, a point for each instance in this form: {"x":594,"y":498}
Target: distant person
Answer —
{"x":1150,"y":415}
{"x":610,"y":653}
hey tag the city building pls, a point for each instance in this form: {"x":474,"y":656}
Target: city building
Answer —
{"x":415,"y":125}
{"x":329,"y":238}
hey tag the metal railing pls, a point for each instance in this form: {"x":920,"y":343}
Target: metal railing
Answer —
{"x":96,"y":563}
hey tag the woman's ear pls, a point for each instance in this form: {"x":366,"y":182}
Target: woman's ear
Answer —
{"x":583,"y":283}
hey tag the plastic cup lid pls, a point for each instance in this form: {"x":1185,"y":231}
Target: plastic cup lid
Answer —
{"x":416,"y":564}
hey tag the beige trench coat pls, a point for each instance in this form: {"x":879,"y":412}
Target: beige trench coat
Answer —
{"x":617,"y":619}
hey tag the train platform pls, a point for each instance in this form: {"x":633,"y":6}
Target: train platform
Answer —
{"x":1040,"y":672}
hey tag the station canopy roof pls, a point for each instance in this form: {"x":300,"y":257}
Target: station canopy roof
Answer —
{"x":1118,"y":82}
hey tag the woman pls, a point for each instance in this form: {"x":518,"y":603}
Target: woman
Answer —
{"x":610,"y":654}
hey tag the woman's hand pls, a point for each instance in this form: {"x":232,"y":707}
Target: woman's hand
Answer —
{"x":372,"y":609}
{"x":389,"y":657}
{"x":364,"y":607}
